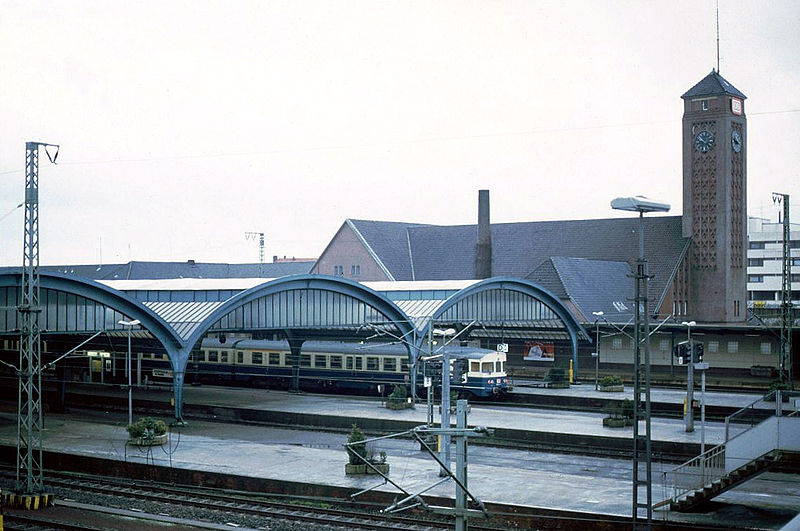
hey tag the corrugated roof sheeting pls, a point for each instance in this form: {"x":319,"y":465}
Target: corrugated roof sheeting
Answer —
{"x":184,"y":317}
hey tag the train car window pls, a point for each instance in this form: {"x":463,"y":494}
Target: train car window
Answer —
{"x":239,"y":357}
{"x":487,"y":366}
{"x":498,"y":366}
{"x":359,"y":363}
{"x":274,"y":358}
{"x":223,"y":356}
{"x":372,"y":363}
{"x":305,"y":360}
{"x":503,"y":367}
{"x":474,"y":366}
{"x":213,"y":356}
{"x":258,"y":358}
{"x":320,"y":360}
{"x":349,"y":363}
{"x":389,"y":364}
{"x":404,"y":366}
{"x":336,"y":362}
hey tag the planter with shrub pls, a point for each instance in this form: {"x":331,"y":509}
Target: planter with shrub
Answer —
{"x":398,"y":399}
{"x":611,"y":384}
{"x":147,"y":431}
{"x":619,"y":415}
{"x":557,"y":378}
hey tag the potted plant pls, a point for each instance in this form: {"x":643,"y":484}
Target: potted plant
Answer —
{"x":379,"y":463}
{"x":777,"y":385}
{"x":557,"y":378}
{"x":619,"y":415}
{"x":147,"y":431}
{"x":398,"y":399}
{"x":356,"y":452}
{"x":611,"y":384}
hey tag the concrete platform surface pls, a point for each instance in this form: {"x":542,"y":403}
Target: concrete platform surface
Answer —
{"x":554,"y":481}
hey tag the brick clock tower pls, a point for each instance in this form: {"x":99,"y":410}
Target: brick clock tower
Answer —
{"x":715,"y":200}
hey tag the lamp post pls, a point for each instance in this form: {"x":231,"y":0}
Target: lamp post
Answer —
{"x":641,"y":373}
{"x":445,"y":450}
{"x":596,"y":353}
{"x":129,"y":325}
{"x":688,"y":416}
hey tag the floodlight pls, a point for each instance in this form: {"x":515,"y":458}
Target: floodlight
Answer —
{"x":639,"y":204}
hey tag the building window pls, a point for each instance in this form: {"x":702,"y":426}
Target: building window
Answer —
{"x":755,"y":262}
{"x":338,"y":271}
{"x":713,"y":346}
{"x":663,"y":345}
{"x":766,"y":347}
{"x":617,"y":343}
{"x":755,"y":278}
{"x":355,"y":270}
{"x":733,"y":347}
{"x":756,"y":245}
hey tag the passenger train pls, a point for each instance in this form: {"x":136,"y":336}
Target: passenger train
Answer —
{"x":330,"y":365}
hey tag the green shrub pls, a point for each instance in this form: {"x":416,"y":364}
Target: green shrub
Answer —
{"x":626,"y":408}
{"x":779,"y":385}
{"x":399,"y":393}
{"x":609,"y":381}
{"x":556,"y":375}
{"x":147,"y":427}
{"x":356,"y":436}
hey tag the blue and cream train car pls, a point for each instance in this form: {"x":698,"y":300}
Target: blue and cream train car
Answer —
{"x":329,"y":365}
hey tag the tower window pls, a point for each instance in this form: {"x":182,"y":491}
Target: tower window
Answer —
{"x":704,"y":105}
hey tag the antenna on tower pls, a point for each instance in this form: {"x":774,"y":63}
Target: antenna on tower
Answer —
{"x":718,"y":36}
{"x":260,"y":235}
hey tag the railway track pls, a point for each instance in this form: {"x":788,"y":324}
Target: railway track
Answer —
{"x":248,"y":510}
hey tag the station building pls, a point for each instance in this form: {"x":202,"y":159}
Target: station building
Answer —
{"x":698,"y":261}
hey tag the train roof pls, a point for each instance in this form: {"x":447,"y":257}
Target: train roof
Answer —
{"x":341,"y":347}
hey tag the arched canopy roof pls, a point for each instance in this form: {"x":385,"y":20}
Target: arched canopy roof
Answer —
{"x":305,"y":302}
{"x":506,"y":300}
{"x":511,"y":302}
{"x":76,"y":305}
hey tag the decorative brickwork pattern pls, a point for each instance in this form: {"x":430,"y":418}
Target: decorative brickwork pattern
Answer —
{"x":736,"y":200}
{"x":704,"y":199}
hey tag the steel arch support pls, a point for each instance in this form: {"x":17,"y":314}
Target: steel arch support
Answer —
{"x":525,"y":287}
{"x":297,"y":282}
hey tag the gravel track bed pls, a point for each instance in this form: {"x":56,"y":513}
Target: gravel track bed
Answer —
{"x":178,"y":511}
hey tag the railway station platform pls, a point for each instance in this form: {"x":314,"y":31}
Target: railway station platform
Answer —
{"x":249,"y":448}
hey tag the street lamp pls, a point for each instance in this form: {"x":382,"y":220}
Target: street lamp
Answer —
{"x":596,"y":353}
{"x":688,"y":416}
{"x":445,"y":420}
{"x":641,"y":205}
{"x":129,"y":324}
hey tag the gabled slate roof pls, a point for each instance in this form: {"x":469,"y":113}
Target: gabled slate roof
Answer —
{"x":388,"y":241}
{"x":712,"y":84}
{"x":160,"y":270}
{"x":518,"y":249}
{"x":595,"y":286}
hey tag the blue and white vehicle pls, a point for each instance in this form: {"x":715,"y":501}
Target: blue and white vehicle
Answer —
{"x":331,"y":365}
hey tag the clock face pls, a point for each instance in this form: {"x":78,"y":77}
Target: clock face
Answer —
{"x":736,"y":141}
{"x":704,"y":141}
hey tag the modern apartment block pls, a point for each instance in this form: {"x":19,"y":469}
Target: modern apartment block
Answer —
{"x":764,"y":261}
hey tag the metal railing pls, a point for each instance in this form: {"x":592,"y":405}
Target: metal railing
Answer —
{"x":703,"y":470}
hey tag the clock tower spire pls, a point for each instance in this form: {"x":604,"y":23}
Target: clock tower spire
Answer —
{"x":715,"y":199}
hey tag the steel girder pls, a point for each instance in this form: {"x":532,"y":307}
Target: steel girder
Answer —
{"x":526,"y":288}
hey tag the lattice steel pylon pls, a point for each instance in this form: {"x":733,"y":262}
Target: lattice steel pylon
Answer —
{"x":29,"y":419}
{"x":785,"y":362}
{"x":249,"y":235}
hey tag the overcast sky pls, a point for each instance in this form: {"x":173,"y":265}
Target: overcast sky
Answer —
{"x":183,"y":125}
